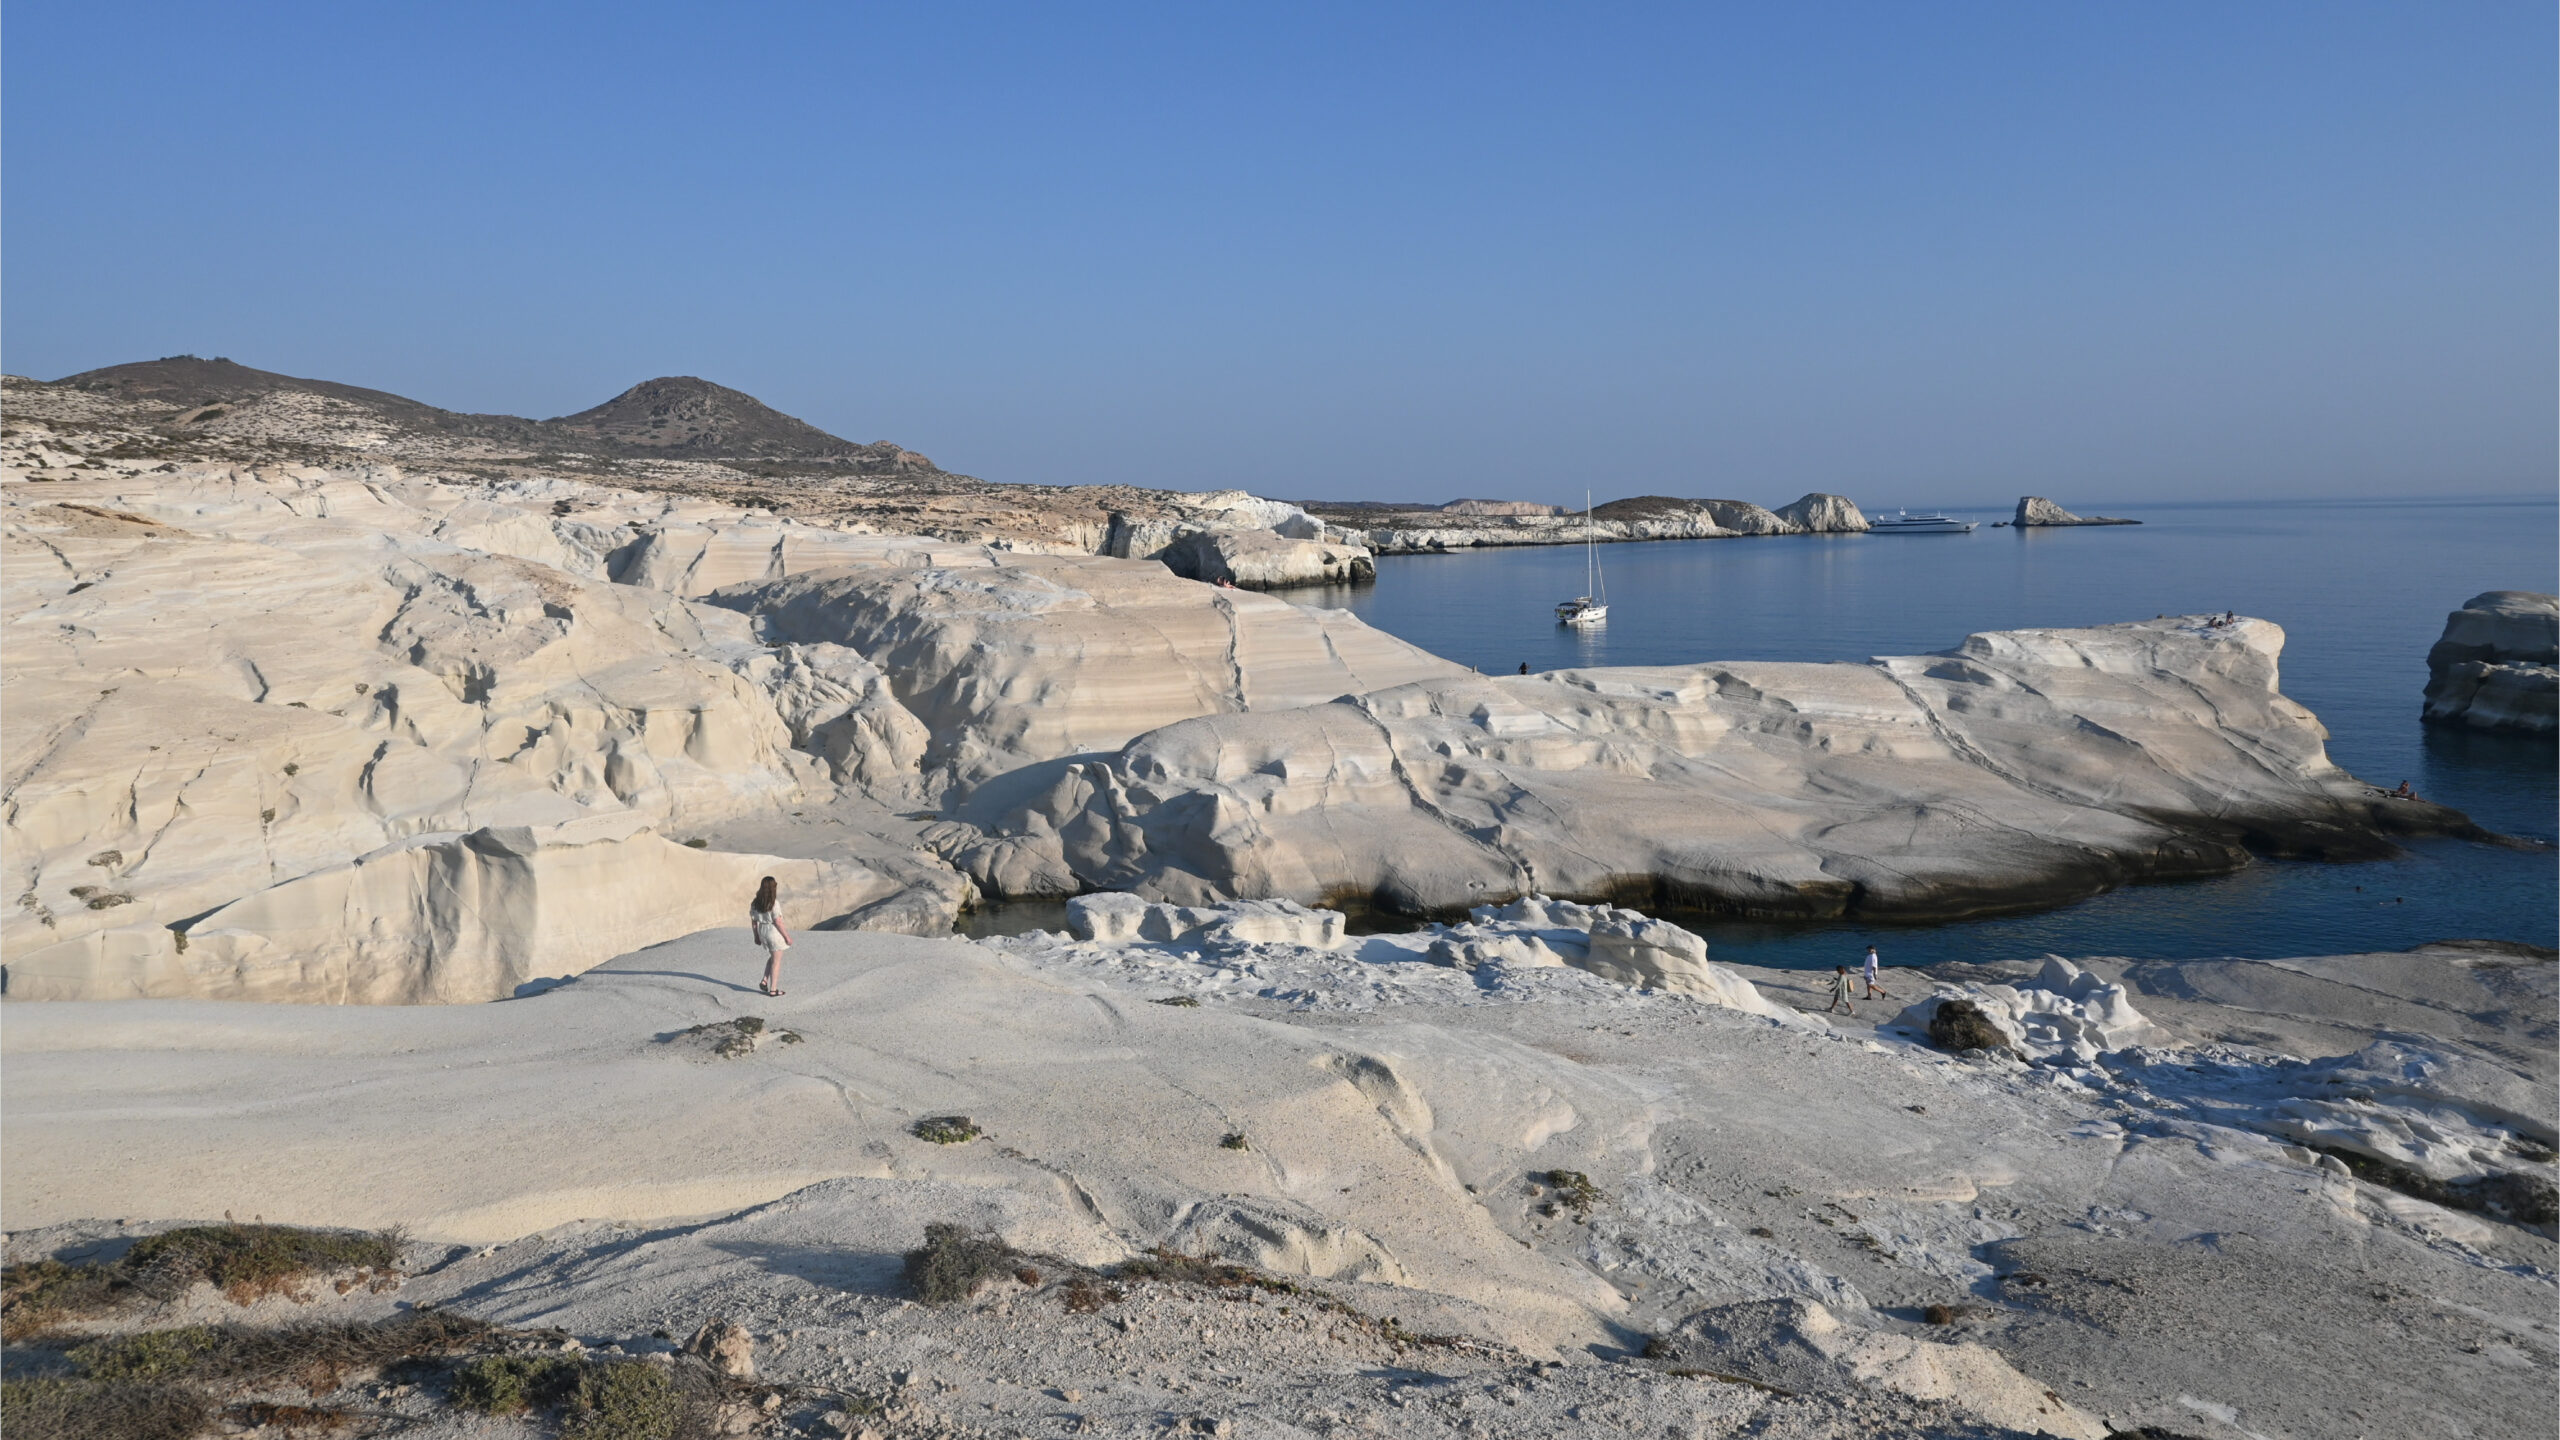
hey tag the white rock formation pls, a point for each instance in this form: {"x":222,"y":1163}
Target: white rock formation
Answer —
{"x":1744,"y":518}
{"x":1615,"y":944}
{"x":1263,"y":560}
{"x":2065,"y":1013}
{"x":1803,"y":1347}
{"x":1145,"y":537}
{"x":443,"y":919}
{"x":1115,"y":916}
{"x":2494,"y":668}
{"x":1052,"y":656}
{"x":2035,"y":510}
{"x":260,"y":694}
{"x":1820,"y":514}
{"x":2024,"y":766}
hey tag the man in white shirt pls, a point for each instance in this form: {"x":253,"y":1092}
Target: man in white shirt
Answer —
{"x":1874,"y":991}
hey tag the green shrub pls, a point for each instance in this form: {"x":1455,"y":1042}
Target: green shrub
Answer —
{"x":622,"y":1400}
{"x":954,"y":1262}
{"x":37,"y":1296}
{"x":946,"y":1129}
{"x":151,"y":1354}
{"x":512,"y":1384}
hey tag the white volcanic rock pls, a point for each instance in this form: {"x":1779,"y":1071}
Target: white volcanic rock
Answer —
{"x":1262,"y":560}
{"x":1821,"y":514}
{"x":1404,"y":1131}
{"x":1146,"y":537}
{"x":1802,"y":1347}
{"x":1499,"y":507}
{"x":2024,"y":766}
{"x":443,"y":919}
{"x":2035,"y":510}
{"x":1615,"y":944}
{"x":1744,"y":518}
{"x":2494,"y":667}
{"x":2065,"y":1012}
{"x":223,"y":682}
{"x":1113,"y":916}
{"x":1051,"y":656}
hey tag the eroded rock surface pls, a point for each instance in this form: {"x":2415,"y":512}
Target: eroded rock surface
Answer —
{"x":2494,"y":668}
{"x":2020,"y":767}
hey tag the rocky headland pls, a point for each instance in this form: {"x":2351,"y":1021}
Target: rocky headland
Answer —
{"x":2035,"y":510}
{"x":2018,"y":768}
{"x":2494,"y":668}
{"x":1385,"y":529}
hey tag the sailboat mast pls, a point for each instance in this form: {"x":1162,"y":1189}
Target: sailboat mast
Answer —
{"x":1590,"y":550}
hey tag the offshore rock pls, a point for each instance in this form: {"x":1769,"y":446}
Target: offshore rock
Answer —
{"x":2035,"y":510}
{"x":2494,"y":668}
{"x":2024,"y":767}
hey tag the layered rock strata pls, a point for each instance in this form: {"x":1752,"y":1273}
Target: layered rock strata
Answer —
{"x":2022,"y":767}
{"x":359,"y":735}
{"x":2494,"y":668}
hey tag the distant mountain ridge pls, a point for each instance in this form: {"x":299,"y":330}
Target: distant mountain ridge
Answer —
{"x":677,"y":416}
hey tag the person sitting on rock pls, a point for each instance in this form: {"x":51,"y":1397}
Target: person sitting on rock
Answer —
{"x":1840,"y":991}
{"x":768,"y":931}
{"x":2404,"y":792}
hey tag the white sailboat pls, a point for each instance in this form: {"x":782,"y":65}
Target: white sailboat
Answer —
{"x":1590,"y":609}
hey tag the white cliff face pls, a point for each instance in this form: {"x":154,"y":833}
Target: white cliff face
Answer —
{"x":1051,"y":656}
{"x":1213,"y":512}
{"x":1820,"y":514}
{"x":2494,"y":667}
{"x":1264,"y":560}
{"x":2024,"y":766}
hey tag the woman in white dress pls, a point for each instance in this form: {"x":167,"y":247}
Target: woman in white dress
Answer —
{"x":769,"y":933}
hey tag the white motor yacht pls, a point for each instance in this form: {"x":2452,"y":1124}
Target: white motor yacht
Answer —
{"x":1903,"y":522}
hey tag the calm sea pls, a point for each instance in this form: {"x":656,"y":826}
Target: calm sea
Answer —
{"x":2361,"y":589}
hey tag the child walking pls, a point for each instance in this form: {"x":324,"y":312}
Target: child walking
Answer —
{"x":1839,"y":991}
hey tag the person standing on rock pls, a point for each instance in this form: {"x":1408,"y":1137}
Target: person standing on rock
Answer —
{"x":1840,"y":991}
{"x":1874,"y":991}
{"x":769,"y":933}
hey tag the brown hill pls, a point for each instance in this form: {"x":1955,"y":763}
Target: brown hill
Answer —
{"x":674,"y":416}
{"x":684,"y":415}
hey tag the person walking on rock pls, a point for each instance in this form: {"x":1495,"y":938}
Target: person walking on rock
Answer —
{"x":1874,"y":991}
{"x":769,"y":933}
{"x":1840,"y":991}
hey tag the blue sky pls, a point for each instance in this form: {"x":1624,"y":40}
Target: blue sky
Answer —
{"x":1937,"y":253}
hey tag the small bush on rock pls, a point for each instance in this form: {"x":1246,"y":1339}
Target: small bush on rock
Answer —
{"x":954,"y":1262}
{"x":251,"y":1261}
{"x":946,"y":1129}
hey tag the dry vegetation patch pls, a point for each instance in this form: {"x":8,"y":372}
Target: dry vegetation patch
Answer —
{"x":246,"y":1262}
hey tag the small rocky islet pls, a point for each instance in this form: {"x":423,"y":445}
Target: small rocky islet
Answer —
{"x":319,"y":698}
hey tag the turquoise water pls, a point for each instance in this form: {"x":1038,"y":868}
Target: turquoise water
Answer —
{"x":2361,"y":589}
